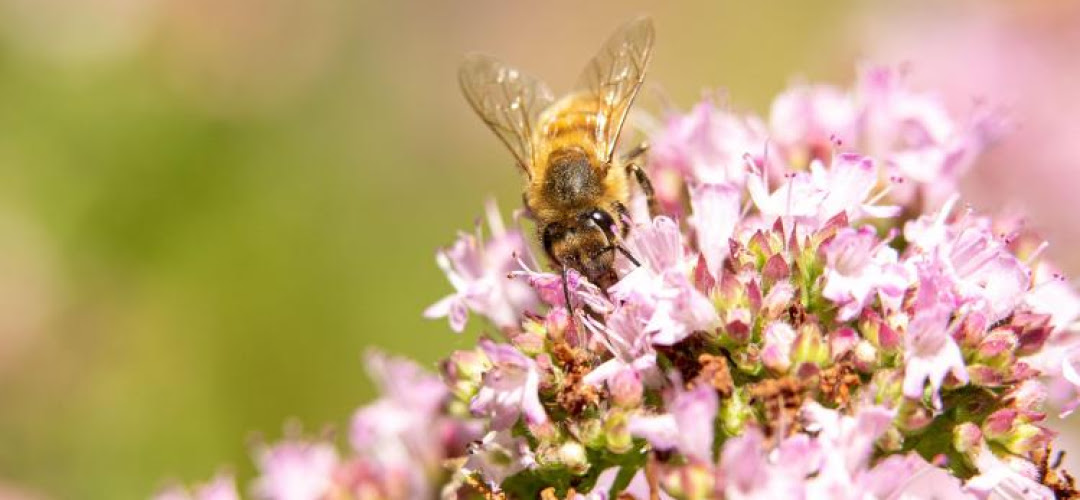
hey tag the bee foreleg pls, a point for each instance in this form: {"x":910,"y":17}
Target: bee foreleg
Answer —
{"x":646,"y":187}
{"x":566,"y":297}
{"x":526,"y":206}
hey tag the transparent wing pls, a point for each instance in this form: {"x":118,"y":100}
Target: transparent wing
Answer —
{"x":614,"y":76}
{"x":507,"y":100}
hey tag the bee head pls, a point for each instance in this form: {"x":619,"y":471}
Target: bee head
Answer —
{"x":585,"y":243}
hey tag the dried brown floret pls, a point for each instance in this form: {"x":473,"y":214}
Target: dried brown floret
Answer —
{"x":781,"y":398}
{"x":715,"y":372}
{"x":683,"y":355}
{"x":1052,"y":475}
{"x":575,"y":395}
{"x":474,"y":482}
{"x":549,"y":494}
{"x":837,"y":383}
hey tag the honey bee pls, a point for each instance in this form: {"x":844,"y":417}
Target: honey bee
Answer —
{"x":576,"y":190}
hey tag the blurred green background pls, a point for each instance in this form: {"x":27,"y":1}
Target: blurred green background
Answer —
{"x":210,"y":208}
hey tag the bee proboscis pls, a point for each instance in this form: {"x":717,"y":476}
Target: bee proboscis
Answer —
{"x":576,"y":189}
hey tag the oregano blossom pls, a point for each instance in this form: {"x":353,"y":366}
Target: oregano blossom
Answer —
{"x":816,"y":314}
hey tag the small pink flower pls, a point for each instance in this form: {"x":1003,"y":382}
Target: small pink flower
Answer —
{"x":1005,"y":478}
{"x":549,"y":287}
{"x":509,"y":389}
{"x":776,"y":350}
{"x":706,"y":145}
{"x":295,"y":470}
{"x":478,"y":272}
{"x":662,"y":283}
{"x":687,"y":426}
{"x":910,"y":476}
{"x":982,"y":272}
{"x":848,"y":439}
{"x":805,"y":120}
{"x":716,"y":214}
{"x":813,"y":198}
{"x":498,"y":456}
{"x":625,"y":336}
{"x":917,"y":137}
{"x":929,"y":350}
{"x":221,"y":487}
{"x":860,"y":266}
{"x":1051,"y":294}
{"x":638,"y":487}
{"x":394,"y":433}
{"x":748,"y":471}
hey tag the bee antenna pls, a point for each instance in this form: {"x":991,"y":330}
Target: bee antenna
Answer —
{"x":626,"y":253}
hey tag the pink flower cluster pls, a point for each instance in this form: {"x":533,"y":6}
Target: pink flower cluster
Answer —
{"x":826,"y":321}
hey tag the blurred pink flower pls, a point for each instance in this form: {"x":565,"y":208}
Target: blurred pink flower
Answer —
{"x":295,"y":470}
{"x":806,"y":121}
{"x":860,"y":267}
{"x":221,"y":487}
{"x":706,"y":145}
{"x":509,"y":388}
{"x":687,"y":426}
{"x":499,"y":455}
{"x":478,"y":270}
{"x":929,"y":349}
{"x":716,"y":212}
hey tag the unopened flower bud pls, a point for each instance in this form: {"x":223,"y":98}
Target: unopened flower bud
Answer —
{"x":466,"y":365}
{"x":913,"y":416}
{"x":967,"y":439}
{"x":998,"y":425}
{"x":1015,"y":431}
{"x":841,"y":342}
{"x":1025,"y":438}
{"x":737,"y":325}
{"x":889,"y":387}
{"x":777,"y":300}
{"x":810,"y":347}
{"x":734,"y":412}
{"x":1030,"y":395}
{"x":573,"y":456}
{"x":545,"y":431}
{"x":617,"y":432}
{"x":879,"y":333}
{"x":996,"y":349}
{"x":776,"y":352}
{"x":865,"y":356}
{"x":986,"y":376}
{"x":590,"y":431}
{"x":529,"y":343}
{"x":692,"y":482}
{"x":626,"y":388}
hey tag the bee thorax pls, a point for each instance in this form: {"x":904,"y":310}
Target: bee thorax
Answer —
{"x":571,"y":179}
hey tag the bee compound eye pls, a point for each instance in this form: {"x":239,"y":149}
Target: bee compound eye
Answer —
{"x":547,"y":239}
{"x":602,"y":219}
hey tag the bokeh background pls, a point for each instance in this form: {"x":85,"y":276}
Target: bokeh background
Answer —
{"x":210,"y":208}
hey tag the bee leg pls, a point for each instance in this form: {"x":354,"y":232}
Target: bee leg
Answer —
{"x":646,"y":186}
{"x":526,"y":207}
{"x":652,"y":476}
{"x":636,"y":153}
{"x":566,"y":289}
{"x":569,"y":305}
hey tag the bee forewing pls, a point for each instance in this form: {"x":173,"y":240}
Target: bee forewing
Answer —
{"x":614,"y":76}
{"x":508,"y":101}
